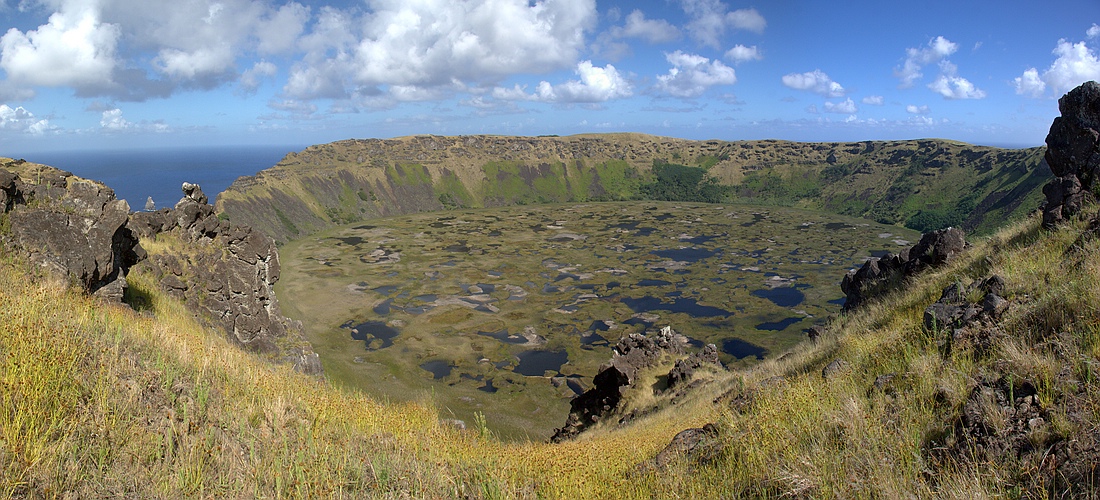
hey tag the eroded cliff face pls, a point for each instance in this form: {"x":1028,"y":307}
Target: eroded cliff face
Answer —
{"x":913,"y":183}
{"x":73,"y":228}
{"x":226,"y":273}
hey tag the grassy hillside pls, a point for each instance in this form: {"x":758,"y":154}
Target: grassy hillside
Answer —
{"x":922,"y":184}
{"x":99,"y":400}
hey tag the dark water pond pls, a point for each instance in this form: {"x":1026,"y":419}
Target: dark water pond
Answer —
{"x":741,"y":349}
{"x":386,"y":289}
{"x":783,"y":296}
{"x":370,"y":331}
{"x":503,"y":336}
{"x":383,"y":308}
{"x":654,"y":283}
{"x":690,"y":254}
{"x":681,"y":305}
{"x":351,"y":240}
{"x":778,"y":325}
{"x":438,"y":368}
{"x":488,"y":387}
{"x":537,"y":363}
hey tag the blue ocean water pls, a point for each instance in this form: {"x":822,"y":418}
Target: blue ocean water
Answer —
{"x":137,"y":174}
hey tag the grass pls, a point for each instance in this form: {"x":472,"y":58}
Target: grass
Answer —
{"x":98,"y":400}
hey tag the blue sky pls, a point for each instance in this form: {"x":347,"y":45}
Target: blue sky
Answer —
{"x":83,"y":74}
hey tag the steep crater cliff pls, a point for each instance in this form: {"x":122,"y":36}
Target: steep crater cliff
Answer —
{"x":922,"y":184}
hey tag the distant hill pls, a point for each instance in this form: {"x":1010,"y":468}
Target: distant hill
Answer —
{"x":922,"y":184}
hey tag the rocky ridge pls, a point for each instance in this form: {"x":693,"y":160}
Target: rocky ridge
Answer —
{"x":889,"y":181}
{"x":76,"y":230}
{"x":225,"y":273}
{"x":72,"y":227}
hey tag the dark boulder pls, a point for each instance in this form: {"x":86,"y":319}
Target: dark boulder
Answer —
{"x":75,"y":228}
{"x":697,"y":446}
{"x":1073,"y":153}
{"x":632,"y":353}
{"x":881,"y":275}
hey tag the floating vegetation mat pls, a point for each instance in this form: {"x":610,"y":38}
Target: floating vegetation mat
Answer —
{"x":510,"y":311}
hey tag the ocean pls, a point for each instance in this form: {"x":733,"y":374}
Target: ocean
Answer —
{"x":137,"y":174}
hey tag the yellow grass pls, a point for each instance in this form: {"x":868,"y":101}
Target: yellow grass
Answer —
{"x":98,"y":400}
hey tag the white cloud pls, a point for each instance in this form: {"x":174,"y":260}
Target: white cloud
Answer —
{"x":250,"y":79}
{"x":433,"y":43}
{"x":21,"y":120}
{"x":747,"y":19}
{"x":937,"y":49}
{"x":113,"y":120}
{"x":1030,"y":84}
{"x":650,"y":30}
{"x":709,"y":20}
{"x":691,"y":75}
{"x":740,"y":53}
{"x":812,"y":109}
{"x":846,"y":107}
{"x":815,"y":81}
{"x":280,"y":32}
{"x":595,"y":85}
{"x":1075,"y":64}
{"x":73,"y":49}
{"x":916,"y":110}
{"x":951,"y":86}
{"x":874,"y":100}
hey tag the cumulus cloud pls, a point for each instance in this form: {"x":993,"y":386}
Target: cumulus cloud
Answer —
{"x":692,"y":74}
{"x":595,"y":85}
{"x":112,"y":120}
{"x":814,"y":81}
{"x":610,"y":43}
{"x":75,"y":48}
{"x":709,"y":20}
{"x":1075,"y":64}
{"x":21,"y":120}
{"x":251,"y":78}
{"x":916,"y":110}
{"x":436,"y":42}
{"x":650,"y":30}
{"x":874,"y":100}
{"x":740,"y":53}
{"x":951,"y":86}
{"x":168,"y":45}
{"x":915,"y":59}
{"x":846,"y":107}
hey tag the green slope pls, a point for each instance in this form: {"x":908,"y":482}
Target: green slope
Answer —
{"x":922,"y":184}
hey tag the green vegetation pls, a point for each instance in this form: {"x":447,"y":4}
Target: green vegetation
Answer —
{"x":672,"y":182}
{"x":926,"y":184}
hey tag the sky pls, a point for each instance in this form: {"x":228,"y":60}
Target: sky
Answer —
{"x":116,"y":74}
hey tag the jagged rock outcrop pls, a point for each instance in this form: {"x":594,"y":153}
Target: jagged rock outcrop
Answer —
{"x":883,"y":274}
{"x":632,"y":353}
{"x":226,"y":274}
{"x":684,"y":369}
{"x":958,"y":321}
{"x":73,"y":227}
{"x":1073,"y":154}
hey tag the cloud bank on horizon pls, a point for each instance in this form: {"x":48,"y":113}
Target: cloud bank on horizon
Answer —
{"x":125,"y":72}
